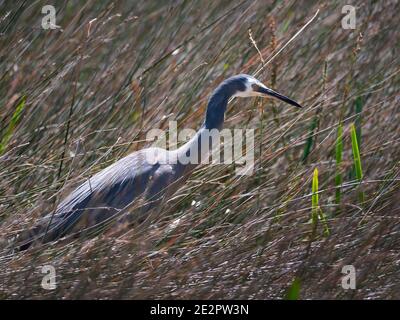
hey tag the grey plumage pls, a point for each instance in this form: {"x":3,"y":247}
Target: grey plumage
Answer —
{"x":101,"y":198}
{"x":140,"y":181}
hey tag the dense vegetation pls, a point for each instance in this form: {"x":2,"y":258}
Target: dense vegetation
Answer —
{"x":77,"y":98}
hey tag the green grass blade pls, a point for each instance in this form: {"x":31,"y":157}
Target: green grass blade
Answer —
{"x":316,"y":212}
{"x":11,"y":126}
{"x":293,"y":292}
{"x":356,"y":157}
{"x":356,"y":152}
{"x":359,"y":107}
{"x":309,"y":142}
{"x":314,"y":198}
{"x":322,"y":217}
{"x":339,"y":157}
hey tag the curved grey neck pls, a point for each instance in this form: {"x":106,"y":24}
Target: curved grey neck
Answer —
{"x":215,"y":114}
{"x":197,"y":150}
{"x":219,"y":100}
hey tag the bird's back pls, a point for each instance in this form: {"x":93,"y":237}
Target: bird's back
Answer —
{"x":134,"y":184}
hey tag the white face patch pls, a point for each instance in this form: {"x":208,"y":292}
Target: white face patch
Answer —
{"x":249,"y":92}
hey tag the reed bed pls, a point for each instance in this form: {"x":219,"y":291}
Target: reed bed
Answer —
{"x":75,"y":99}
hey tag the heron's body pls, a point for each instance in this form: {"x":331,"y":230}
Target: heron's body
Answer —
{"x":142,"y":180}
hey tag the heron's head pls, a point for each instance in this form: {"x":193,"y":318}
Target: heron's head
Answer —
{"x":249,"y":86}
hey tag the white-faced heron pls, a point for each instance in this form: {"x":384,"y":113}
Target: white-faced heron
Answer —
{"x":140,"y":181}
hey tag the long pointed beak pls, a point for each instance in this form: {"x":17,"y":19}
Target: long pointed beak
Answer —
{"x":272,"y":93}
